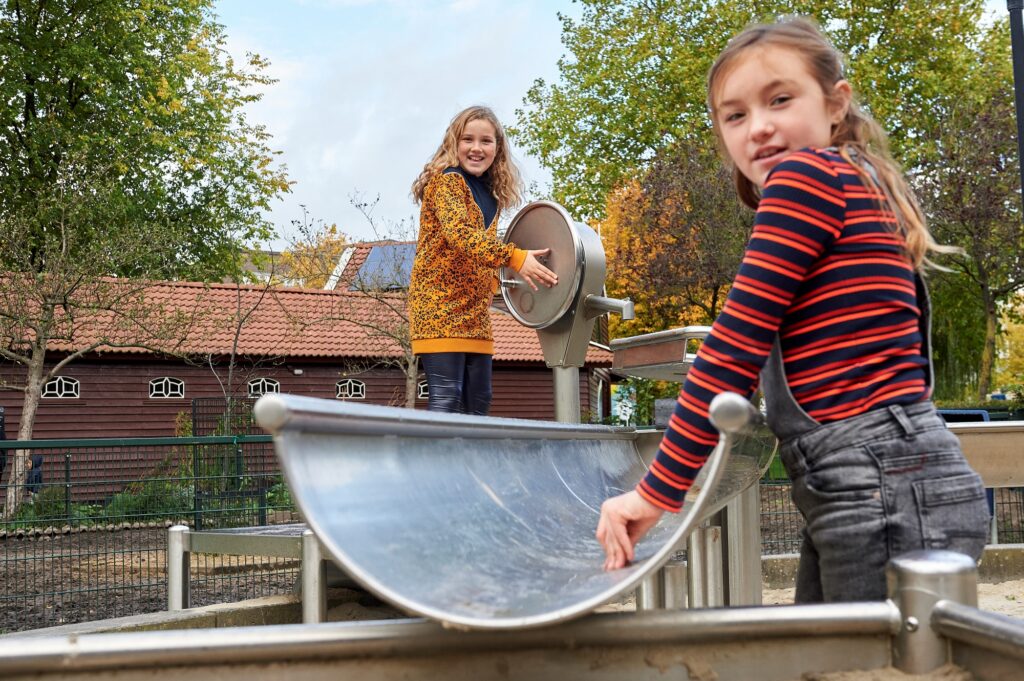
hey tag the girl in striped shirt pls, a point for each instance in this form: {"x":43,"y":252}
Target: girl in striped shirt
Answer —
{"x":829,"y":315}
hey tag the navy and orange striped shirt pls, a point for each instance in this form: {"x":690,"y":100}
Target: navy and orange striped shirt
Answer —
{"x":825,"y":269}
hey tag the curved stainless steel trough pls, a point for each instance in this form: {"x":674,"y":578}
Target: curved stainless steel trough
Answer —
{"x":483,"y":522}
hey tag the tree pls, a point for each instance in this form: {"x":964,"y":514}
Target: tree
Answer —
{"x":971,"y":192}
{"x":631,"y":87}
{"x":633,"y":82}
{"x":63,"y":305}
{"x":1010,"y":374}
{"x":675,"y":241}
{"x":125,"y":154}
{"x":377,"y":304}
{"x":313,"y":256}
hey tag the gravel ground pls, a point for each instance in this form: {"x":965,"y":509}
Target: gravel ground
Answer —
{"x":69,"y":578}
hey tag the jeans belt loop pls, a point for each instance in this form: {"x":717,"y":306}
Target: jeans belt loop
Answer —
{"x":901,"y":417}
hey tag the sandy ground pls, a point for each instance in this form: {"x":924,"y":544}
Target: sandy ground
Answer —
{"x":1005,"y":598}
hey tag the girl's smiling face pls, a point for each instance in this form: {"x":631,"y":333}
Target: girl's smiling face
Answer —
{"x":769,"y":105}
{"x":477,"y":147}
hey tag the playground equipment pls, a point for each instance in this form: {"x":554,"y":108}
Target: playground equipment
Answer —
{"x":483,"y":522}
{"x":563,"y":315}
{"x":929,"y":620}
{"x":487,"y":524}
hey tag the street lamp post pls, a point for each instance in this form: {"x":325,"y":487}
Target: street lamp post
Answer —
{"x":1017,"y":44}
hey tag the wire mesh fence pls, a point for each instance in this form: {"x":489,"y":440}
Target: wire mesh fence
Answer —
{"x":83,"y":533}
{"x":782,"y":524}
{"x":86,"y":534}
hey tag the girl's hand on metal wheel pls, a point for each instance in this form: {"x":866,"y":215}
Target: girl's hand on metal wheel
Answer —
{"x":533,"y":269}
{"x":625,"y":519}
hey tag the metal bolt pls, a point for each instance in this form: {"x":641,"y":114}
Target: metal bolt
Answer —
{"x":911,"y":624}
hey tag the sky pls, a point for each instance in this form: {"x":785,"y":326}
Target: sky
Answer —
{"x":366,"y":88}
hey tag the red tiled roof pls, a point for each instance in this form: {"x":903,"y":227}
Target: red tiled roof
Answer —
{"x":293,"y":322}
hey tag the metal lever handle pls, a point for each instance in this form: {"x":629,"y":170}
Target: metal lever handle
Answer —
{"x":508,"y":283}
{"x":732,"y":413}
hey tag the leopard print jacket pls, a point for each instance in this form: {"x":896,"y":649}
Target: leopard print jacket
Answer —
{"x":454,"y":272}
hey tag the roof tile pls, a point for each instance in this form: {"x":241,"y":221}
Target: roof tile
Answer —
{"x":296,"y":322}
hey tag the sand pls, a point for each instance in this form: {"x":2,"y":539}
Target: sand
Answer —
{"x":1005,"y":598}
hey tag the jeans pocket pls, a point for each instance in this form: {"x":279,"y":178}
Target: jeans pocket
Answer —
{"x":845,"y":474}
{"x":953,"y":513}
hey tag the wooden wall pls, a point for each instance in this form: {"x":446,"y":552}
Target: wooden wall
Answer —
{"x":114,"y":394}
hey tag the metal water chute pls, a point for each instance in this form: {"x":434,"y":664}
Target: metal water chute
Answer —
{"x":564,"y":314}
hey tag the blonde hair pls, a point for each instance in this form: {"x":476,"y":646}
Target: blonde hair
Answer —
{"x":506,"y":183}
{"x":859,"y":138}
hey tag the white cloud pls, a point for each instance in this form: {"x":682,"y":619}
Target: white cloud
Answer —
{"x":364,"y":113}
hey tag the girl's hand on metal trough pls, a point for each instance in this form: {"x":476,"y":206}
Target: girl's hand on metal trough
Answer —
{"x":625,"y":519}
{"x":533,"y":269}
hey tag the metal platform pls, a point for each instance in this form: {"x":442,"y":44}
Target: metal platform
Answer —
{"x":482,"y":522}
{"x":661,"y":355}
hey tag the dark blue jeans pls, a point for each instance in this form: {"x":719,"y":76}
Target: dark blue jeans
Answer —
{"x":459,"y":382}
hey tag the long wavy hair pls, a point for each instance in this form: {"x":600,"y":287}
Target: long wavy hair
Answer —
{"x":506,"y":182}
{"x":859,"y":138}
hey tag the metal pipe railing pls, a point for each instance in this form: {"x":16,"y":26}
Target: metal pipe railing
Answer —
{"x":380,"y":639}
{"x":987,"y":630}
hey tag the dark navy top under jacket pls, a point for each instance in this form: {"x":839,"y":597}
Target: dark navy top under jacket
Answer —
{"x":481,"y":188}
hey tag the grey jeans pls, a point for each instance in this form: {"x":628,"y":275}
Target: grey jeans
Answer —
{"x":876,"y":485}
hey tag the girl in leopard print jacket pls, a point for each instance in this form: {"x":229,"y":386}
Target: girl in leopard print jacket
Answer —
{"x":462,"y":190}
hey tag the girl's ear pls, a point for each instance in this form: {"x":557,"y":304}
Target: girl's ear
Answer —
{"x":839,"y":102}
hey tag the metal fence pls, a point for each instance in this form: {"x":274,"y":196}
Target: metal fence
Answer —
{"x":782,"y":524}
{"x":220,"y":416}
{"x":88,"y":539}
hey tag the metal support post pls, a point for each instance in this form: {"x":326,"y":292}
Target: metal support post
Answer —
{"x":314,"y":591}
{"x":696,"y":568}
{"x":179,"y":595}
{"x":1015,"y":7}
{"x":567,"y":393}
{"x":714,"y":571}
{"x":917,"y":581}
{"x":674,"y":582}
{"x":743,"y":547}
{"x":650,"y":592}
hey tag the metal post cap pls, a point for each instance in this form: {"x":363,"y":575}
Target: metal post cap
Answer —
{"x":933,"y":562}
{"x":731,"y":413}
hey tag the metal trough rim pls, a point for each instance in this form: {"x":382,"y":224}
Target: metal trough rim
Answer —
{"x":375,"y":639}
{"x":732,"y":414}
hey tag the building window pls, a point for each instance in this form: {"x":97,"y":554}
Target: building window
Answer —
{"x":166,"y":387}
{"x":422,"y":392}
{"x":262,"y":386}
{"x":61,"y":387}
{"x":350,"y":389}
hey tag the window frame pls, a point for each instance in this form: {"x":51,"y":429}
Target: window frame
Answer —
{"x":62,"y":382}
{"x":167,"y":382}
{"x":265,"y":382}
{"x":359,"y":392}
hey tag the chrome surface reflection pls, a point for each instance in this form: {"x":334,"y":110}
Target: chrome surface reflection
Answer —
{"x":483,"y":522}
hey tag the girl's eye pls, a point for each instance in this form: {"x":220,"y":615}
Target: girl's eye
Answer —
{"x":732,"y":117}
{"x":781,"y":99}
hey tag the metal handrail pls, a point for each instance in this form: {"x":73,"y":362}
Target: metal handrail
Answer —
{"x":383,"y":639}
{"x":988,"y":630}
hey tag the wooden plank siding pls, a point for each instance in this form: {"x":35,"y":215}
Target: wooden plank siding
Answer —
{"x":114,"y":394}
{"x":114,"y":402}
